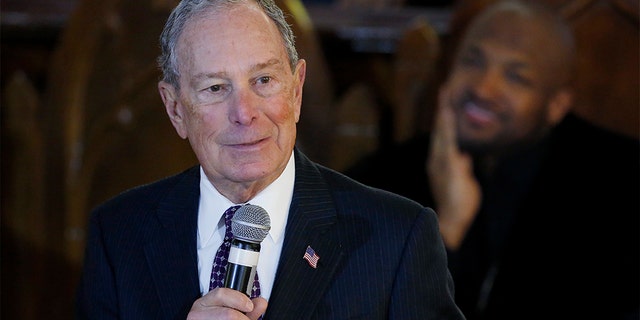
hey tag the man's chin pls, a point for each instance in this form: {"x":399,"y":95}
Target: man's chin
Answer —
{"x":475,"y":146}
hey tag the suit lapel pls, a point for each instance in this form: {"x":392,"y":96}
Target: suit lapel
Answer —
{"x":172,"y":254}
{"x":298,"y":286}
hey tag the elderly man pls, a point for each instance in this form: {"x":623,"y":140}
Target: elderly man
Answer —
{"x":336,"y":249}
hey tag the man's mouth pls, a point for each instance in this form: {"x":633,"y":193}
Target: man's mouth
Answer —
{"x":477,"y":114}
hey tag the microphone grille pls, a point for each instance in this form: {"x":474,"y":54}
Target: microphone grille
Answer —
{"x":250,"y":223}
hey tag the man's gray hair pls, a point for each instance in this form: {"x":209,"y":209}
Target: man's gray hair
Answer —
{"x":189,"y":9}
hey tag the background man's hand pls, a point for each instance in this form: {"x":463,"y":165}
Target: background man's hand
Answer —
{"x":455,"y":189}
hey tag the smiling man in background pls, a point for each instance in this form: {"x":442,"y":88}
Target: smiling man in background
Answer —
{"x":538,"y":208}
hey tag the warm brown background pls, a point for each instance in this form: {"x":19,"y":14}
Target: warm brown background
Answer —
{"x":82,"y":121}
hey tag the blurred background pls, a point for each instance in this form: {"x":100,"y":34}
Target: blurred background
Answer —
{"x":81,"y":118}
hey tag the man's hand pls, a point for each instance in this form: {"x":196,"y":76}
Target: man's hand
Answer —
{"x":455,"y":189}
{"x":227,"y":304}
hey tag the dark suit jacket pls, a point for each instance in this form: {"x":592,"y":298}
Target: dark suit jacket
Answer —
{"x":381,"y":256}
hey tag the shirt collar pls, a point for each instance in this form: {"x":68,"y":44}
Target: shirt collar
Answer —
{"x":275,"y":199}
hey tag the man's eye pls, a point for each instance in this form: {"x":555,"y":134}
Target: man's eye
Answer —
{"x":264,"y":79}
{"x":215,"y":88}
{"x":470,"y":61}
{"x":519,"y":78}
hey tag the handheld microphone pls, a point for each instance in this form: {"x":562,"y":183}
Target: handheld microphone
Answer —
{"x":250,"y":225}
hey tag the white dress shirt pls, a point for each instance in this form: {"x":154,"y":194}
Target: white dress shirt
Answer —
{"x":275,"y":199}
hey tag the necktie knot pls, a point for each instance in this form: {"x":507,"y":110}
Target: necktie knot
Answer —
{"x":228,"y":215}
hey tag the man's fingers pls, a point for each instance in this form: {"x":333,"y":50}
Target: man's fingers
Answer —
{"x":225,"y":297}
{"x":259,"y":308}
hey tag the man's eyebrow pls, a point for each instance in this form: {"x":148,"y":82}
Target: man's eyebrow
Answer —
{"x":224,"y":74}
{"x":269,"y":63}
{"x":208,"y":75}
{"x":472,"y":48}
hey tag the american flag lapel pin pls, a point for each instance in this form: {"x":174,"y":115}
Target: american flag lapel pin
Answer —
{"x":311,"y":257}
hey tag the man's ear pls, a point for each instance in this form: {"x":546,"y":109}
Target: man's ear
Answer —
{"x":173,"y":107}
{"x":559,"y":106}
{"x":300,"y":75}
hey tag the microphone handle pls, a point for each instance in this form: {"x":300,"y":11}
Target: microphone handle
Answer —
{"x":241,"y":268}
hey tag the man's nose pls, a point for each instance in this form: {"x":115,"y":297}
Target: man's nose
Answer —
{"x":245,"y":106}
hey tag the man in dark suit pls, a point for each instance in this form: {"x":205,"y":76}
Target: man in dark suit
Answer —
{"x":538,"y":208}
{"x":232,"y":86}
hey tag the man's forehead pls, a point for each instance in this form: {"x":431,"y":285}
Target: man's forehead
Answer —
{"x":225,"y":28}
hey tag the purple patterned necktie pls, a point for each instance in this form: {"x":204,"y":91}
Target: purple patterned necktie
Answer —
{"x":220,"y":262}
